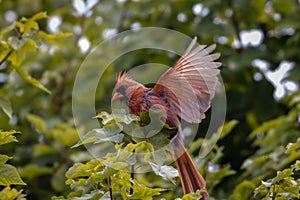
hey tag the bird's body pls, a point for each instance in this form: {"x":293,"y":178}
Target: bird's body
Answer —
{"x":184,"y":91}
{"x":143,"y":99}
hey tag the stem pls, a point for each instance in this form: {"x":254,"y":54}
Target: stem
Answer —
{"x":6,"y":56}
{"x":273,"y":195}
{"x":110,"y":190}
{"x":123,"y":17}
{"x":235,"y":23}
{"x":20,"y":37}
{"x":132,"y":177}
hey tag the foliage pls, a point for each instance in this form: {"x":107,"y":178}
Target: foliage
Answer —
{"x":256,"y":158}
{"x":118,"y":173}
{"x":8,"y":173}
{"x":284,"y":184}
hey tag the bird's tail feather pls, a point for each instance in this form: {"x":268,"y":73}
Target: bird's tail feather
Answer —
{"x":191,"y":179}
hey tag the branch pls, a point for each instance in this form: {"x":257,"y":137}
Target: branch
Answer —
{"x":123,"y":17}
{"x":235,"y":23}
{"x":110,"y":189}
{"x":6,"y":57}
{"x":20,"y":37}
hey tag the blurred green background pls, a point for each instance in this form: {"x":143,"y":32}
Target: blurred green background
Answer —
{"x":259,"y":41}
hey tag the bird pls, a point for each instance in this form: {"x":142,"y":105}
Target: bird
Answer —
{"x":184,"y":91}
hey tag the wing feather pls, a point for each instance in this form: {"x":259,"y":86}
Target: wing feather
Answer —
{"x":191,"y":83}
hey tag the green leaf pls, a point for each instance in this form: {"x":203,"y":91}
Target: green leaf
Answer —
{"x":224,"y":130}
{"x":141,"y":147}
{"x":166,"y":172}
{"x":216,"y":176}
{"x":15,"y":43}
{"x":77,"y":193}
{"x":282,"y":6}
{"x":4,"y":158}
{"x":6,"y":106}
{"x":40,"y":15}
{"x":117,"y":117}
{"x":37,"y":121}
{"x":14,"y":59}
{"x":93,"y":195}
{"x":193,"y":196}
{"x":267,"y":126}
{"x":29,"y":25}
{"x":282,"y":175}
{"x":83,"y":170}
{"x":142,"y":192}
{"x":43,"y":149}
{"x":79,"y":182}
{"x":23,"y":73}
{"x":110,"y":132}
{"x":117,"y":165}
{"x":292,"y":147}
{"x":11,"y":193}
{"x":21,"y":47}
{"x":20,"y":26}
{"x":9,"y":176}
{"x":7,"y":137}
{"x":243,"y":191}
{"x":65,"y":134}
{"x":32,"y":171}
{"x":53,"y":37}
{"x":296,"y":166}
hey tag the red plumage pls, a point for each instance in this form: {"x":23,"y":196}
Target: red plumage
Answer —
{"x":185,"y":91}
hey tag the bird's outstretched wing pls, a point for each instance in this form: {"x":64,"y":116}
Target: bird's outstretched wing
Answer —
{"x":191,"y":83}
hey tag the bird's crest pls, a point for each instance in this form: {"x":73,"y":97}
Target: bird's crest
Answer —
{"x":124,"y":79}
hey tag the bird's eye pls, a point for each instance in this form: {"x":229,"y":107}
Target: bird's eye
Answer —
{"x":122,"y":89}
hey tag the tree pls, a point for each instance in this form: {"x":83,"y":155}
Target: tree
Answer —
{"x":43,"y":44}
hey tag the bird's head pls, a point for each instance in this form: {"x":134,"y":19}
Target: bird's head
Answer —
{"x":125,"y":87}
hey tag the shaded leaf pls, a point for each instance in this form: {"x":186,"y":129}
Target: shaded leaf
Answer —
{"x":243,"y":191}
{"x":286,"y":173}
{"x":6,"y":106}
{"x":32,"y":171}
{"x":64,"y":134}
{"x":226,"y":129}
{"x":166,"y":172}
{"x":292,"y":147}
{"x":266,"y":126}
{"x":37,"y":121}
{"x":43,"y":149}
{"x":23,"y":73}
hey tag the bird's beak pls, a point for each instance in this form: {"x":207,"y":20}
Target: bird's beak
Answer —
{"x":117,"y":96}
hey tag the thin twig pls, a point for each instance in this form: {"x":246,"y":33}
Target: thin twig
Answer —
{"x":6,"y":57}
{"x":235,"y":23}
{"x":110,"y":189}
{"x":20,"y":37}
{"x":132,"y":177}
{"x":123,"y":17}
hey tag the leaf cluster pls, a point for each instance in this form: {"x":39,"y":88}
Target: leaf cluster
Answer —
{"x":8,"y":173}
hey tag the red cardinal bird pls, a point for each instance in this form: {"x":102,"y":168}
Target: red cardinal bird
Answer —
{"x":185,"y":90}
